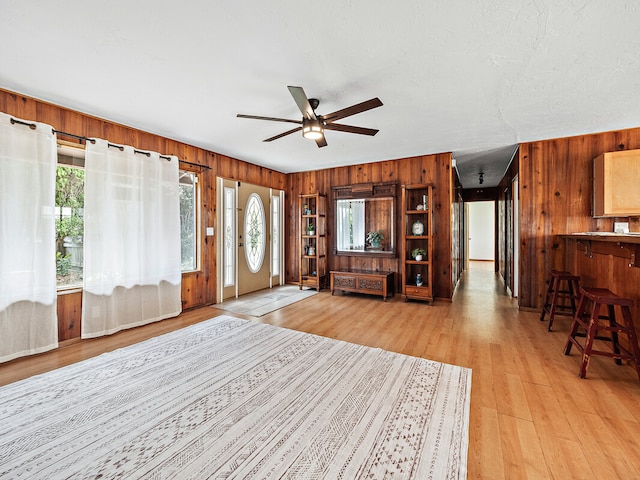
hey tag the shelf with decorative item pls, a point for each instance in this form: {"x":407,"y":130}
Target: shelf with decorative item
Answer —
{"x":417,"y":228}
{"x":418,"y":253}
{"x":417,"y":242}
{"x":312,"y":245}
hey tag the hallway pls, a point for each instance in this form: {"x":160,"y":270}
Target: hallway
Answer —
{"x":481,"y":285}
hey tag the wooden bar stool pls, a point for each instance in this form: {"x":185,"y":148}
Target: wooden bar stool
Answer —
{"x":562,"y":294}
{"x":593,"y":322}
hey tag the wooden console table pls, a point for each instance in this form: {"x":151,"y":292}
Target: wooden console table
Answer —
{"x":362,"y":281}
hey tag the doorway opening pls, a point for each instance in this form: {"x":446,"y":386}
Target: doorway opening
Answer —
{"x":481,"y":234}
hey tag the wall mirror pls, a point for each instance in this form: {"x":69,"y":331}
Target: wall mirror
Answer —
{"x":365,"y":219}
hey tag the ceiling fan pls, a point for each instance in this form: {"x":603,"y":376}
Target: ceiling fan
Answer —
{"x":313,"y":125}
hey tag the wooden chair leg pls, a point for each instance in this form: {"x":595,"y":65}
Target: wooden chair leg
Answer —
{"x":574,"y":325}
{"x":554,"y":302}
{"x":614,"y":334}
{"x":573,"y":293}
{"x":546,"y":299}
{"x":633,"y":338}
{"x":588,"y":344}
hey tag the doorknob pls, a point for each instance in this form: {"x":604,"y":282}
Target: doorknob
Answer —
{"x":241,"y":244}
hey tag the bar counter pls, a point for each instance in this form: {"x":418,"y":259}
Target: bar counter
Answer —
{"x":625,"y":245}
{"x":606,"y":260}
{"x":633,"y":237}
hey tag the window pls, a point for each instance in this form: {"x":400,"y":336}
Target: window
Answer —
{"x":188,"y":221}
{"x":254,"y":226}
{"x":69,"y":216}
{"x":350,"y":224}
{"x":229,"y":237}
{"x":275,"y":235}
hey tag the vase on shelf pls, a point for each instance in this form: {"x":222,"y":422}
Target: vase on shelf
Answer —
{"x":418,"y":279}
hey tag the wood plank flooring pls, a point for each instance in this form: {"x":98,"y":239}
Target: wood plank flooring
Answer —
{"x":531,"y":415}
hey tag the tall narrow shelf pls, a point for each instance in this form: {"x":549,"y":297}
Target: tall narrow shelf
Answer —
{"x":417,"y":232}
{"x":313,"y":243}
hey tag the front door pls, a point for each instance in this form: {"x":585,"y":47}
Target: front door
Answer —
{"x":254,"y":227}
{"x":250,"y":249}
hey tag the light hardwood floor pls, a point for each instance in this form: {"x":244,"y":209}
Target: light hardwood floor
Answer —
{"x":531,"y":416}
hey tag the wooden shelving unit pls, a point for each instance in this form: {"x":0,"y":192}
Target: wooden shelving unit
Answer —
{"x":417,"y":232}
{"x":313,"y":244}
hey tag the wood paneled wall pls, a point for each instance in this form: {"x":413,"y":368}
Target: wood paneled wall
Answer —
{"x":555,"y":198}
{"x":434,"y":169}
{"x":198,"y":288}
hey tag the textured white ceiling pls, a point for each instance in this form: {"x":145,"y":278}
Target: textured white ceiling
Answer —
{"x":462,"y":76}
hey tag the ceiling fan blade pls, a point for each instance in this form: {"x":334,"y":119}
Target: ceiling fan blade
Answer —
{"x":352,"y":110}
{"x":302,"y":101}
{"x":321,"y":142}
{"x":273,"y":119}
{"x":283,"y":134}
{"x":350,"y":129}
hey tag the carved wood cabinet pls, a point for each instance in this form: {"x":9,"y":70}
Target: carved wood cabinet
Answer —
{"x":362,"y":281}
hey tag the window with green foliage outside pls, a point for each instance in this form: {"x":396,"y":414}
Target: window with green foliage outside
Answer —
{"x":188,"y":223}
{"x":69,"y":211}
{"x":69,"y":225}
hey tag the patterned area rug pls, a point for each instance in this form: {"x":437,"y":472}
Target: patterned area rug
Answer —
{"x":265,"y":301}
{"x":229,"y":398}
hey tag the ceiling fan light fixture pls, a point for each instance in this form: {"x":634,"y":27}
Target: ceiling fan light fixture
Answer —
{"x":312,"y":129}
{"x":313,"y":126}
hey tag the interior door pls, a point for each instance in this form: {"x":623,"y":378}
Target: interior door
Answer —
{"x":254,"y":238}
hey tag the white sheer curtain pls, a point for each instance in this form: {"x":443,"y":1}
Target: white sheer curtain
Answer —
{"x":357,"y":207}
{"x":132,"y":271}
{"x":28,"y":320}
{"x":350,"y":225}
{"x":343,"y":233}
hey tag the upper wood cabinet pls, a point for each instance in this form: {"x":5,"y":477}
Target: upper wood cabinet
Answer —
{"x":616,"y":184}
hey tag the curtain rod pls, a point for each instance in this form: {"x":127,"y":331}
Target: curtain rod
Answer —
{"x":32,"y":126}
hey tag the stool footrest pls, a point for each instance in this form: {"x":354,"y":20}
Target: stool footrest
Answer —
{"x":625,"y":355}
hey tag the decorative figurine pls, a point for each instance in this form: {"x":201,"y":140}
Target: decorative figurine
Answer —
{"x":417,"y":228}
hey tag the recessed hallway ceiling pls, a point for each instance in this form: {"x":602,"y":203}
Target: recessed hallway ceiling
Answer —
{"x":473,"y":78}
